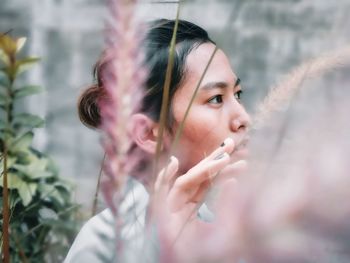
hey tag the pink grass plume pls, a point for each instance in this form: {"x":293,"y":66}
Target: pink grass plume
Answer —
{"x":123,"y":77}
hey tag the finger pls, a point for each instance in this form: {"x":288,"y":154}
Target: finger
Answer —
{"x":208,"y":167}
{"x":231,"y":171}
{"x":227,"y":176}
{"x":192,"y":186}
{"x":171,"y":173}
{"x":179,"y":200}
{"x":184,"y":192}
{"x":227,"y":146}
{"x":166,"y":175}
{"x":201,"y":172}
{"x":201,"y":193}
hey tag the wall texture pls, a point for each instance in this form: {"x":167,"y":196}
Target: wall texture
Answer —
{"x":264,"y":39}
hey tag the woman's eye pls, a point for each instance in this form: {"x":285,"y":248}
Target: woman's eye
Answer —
{"x":216,"y":100}
{"x":238,"y":95}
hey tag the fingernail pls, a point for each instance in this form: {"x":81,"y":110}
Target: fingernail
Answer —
{"x":220,"y":156}
{"x":226,"y":141}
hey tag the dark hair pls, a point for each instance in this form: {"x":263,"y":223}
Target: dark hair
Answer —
{"x":156,"y":44}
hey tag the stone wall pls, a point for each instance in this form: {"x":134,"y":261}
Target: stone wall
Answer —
{"x":264,"y":39}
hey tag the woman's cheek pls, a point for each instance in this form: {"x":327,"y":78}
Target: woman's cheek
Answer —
{"x":203,"y":133}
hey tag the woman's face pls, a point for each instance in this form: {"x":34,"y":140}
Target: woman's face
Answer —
{"x":216,"y":112}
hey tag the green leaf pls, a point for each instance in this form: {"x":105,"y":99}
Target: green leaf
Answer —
{"x":2,"y":125}
{"x":25,"y":64}
{"x":3,"y":119}
{"x":4,"y":58}
{"x":64,"y":190}
{"x":23,"y":157}
{"x":20,"y":42}
{"x":51,"y":166}
{"x":14,"y":199}
{"x":8,"y":45}
{"x":27,"y":120}
{"x":7,"y":134}
{"x":13,"y":181}
{"x":3,"y":101}
{"x":64,"y":186}
{"x":25,"y":190}
{"x":48,"y":191}
{"x":47,"y":214}
{"x":22,"y":143}
{"x":27,"y":90}
{"x":35,"y":170}
{"x":10,"y":161}
{"x":4,"y":81}
{"x":3,"y":92}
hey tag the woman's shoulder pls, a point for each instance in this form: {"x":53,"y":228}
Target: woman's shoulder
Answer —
{"x":90,"y":241}
{"x":95,"y":240}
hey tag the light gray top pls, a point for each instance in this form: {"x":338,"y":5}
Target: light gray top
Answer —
{"x":96,"y":240}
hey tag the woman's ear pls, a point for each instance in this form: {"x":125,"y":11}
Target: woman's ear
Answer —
{"x":144,"y":132}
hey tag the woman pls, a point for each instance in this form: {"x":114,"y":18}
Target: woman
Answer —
{"x":212,"y":143}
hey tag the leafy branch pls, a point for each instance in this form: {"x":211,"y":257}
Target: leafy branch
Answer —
{"x":34,"y":198}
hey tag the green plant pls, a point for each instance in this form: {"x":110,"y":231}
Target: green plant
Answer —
{"x":37,"y":210}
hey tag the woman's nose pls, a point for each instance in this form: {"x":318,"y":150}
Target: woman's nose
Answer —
{"x":240,"y":118}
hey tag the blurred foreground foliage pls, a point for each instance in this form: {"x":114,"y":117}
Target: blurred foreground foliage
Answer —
{"x":41,"y":211}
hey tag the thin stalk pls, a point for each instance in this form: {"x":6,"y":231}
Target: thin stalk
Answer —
{"x":94,"y":206}
{"x":287,"y":88}
{"x":182,"y":124}
{"x":166,"y":89}
{"x":232,"y":17}
{"x":284,"y":126}
{"x":5,"y":213}
{"x":5,"y":190}
{"x":178,"y":134}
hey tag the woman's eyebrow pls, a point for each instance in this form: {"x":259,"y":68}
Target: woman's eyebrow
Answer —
{"x":219,"y":84}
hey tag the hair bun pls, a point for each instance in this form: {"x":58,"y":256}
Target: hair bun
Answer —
{"x":88,"y":107}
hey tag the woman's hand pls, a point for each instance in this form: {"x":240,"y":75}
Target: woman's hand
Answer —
{"x":177,"y":198}
{"x":191,"y":187}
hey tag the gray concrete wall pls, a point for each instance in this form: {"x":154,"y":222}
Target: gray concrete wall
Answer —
{"x":264,"y":40}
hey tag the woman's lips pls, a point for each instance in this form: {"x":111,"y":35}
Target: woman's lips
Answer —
{"x":241,"y":144}
{"x":241,"y":150}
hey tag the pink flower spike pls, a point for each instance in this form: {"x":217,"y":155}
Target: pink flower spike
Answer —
{"x":123,"y":78}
